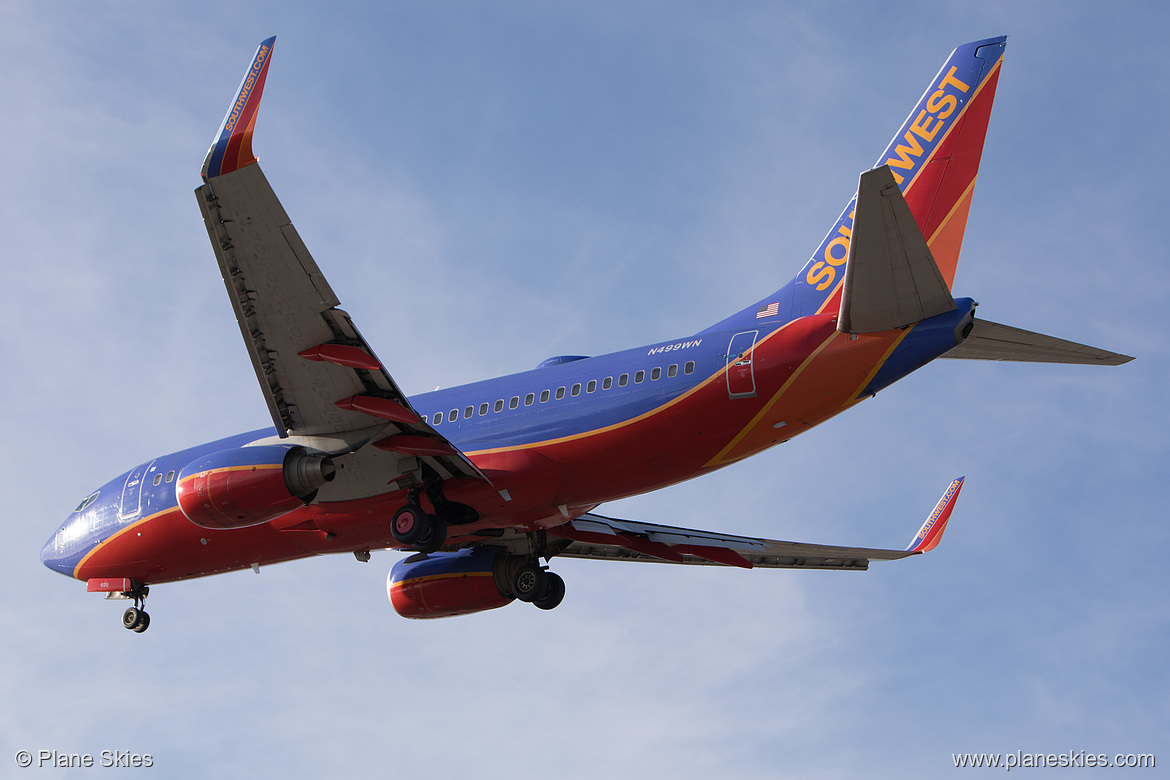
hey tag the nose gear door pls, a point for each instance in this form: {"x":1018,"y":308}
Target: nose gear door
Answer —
{"x":741,"y":378}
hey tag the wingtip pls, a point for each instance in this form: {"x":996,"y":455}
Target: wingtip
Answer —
{"x":930,"y":534}
{"x":232,"y":147}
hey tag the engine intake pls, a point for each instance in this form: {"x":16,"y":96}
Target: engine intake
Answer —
{"x":250,"y":485}
{"x":449,"y":584}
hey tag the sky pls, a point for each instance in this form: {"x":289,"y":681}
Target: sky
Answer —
{"x":487,"y":186}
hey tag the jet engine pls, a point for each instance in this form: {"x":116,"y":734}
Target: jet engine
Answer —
{"x":250,"y":485}
{"x":448,"y":584}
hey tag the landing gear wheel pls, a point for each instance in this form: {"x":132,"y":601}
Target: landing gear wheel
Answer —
{"x":133,"y":618}
{"x":434,"y":535}
{"x":409,"y":524}
{"x":529,"y":582}
{"x":554,"y":592}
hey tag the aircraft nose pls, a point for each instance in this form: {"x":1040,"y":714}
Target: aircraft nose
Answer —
{"x":49,"y":551}
{"x":52,"y":558}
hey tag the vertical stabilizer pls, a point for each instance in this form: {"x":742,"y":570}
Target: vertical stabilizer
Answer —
{"x":934,"y":158}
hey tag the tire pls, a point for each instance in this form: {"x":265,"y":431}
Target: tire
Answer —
{"x":143,"y":623}
{"x":554,"y":592}
{"x":528,"y":582}
{"x":434,"y":535}
{"x":409,"y":524}
{"x":132,"y":618}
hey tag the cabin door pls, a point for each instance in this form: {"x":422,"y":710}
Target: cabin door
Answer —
{"x":132,"y":491}
{"x":741,"y":378}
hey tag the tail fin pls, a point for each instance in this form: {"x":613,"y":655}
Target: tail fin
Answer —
{"x":934,"y":158}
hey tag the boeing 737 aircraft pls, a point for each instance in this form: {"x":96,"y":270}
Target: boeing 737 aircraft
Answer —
{"x":479,"y":483}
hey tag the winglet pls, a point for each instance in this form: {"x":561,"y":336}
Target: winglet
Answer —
{"x":930,"y":534}
{"x":232,"y":147}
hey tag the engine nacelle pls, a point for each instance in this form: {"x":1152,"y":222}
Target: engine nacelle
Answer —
{"x":250,"y":485}
{"x":448,"y":584}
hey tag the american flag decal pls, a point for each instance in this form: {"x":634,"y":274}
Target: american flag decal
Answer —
{"x":767,"y":311}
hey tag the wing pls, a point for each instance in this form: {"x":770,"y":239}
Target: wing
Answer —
{"x":323,"y":383}
{"x":594,"y":536}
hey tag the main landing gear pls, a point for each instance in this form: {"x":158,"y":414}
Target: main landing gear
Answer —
{"x":135,"y":618}
{"x":412,"y":526}
{"x":538,"y":586}
{"x":425,"y":532}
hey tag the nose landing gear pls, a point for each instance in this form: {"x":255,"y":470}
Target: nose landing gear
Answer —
{"x":135,"y":618}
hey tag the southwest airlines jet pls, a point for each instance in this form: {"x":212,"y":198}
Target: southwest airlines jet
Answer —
{"x":479,"y":483}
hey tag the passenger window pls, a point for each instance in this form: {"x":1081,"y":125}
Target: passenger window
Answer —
{"x":607,"y":383}
{"x":639,"y":377}
{"x":560,"y":393}
{"x":689,"y":368}
{"x":170,"y":476}
{"x":592,"y":386}
{"x":576,"y":389}
{"x":673,"y":370}
{"x":453,"y":415}
{"x":544,"y":396}
{"x":656,"y":374}
{"x":483,"y":409}
{"x":499,"y":407}
{"x":623,"y":380}
{"x":157,"y":480}
{"x":530,"y":399}
{"x":438,"y":418}
{"x":514,"y":402}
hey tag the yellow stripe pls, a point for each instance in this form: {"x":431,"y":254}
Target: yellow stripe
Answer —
{"x":767,"y":407}
{"x":430,"y":577}
{"x":954,"y":208}
{"x":873,"y":372}
{"x":118,"y":533}
{"x":257,"y":467}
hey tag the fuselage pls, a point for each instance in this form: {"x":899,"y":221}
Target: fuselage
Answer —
{"x":554,"y":442}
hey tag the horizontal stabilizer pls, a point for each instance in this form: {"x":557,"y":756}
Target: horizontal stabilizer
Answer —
{"x":992,"y":341}
{"x":891,"y":279}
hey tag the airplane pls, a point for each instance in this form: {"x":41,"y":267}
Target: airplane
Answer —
{"x":481,"y":482}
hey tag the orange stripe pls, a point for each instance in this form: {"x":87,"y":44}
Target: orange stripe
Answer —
{"x":772,"y":402}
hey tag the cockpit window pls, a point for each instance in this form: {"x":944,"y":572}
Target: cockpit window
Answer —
{"x":89,"y":500}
